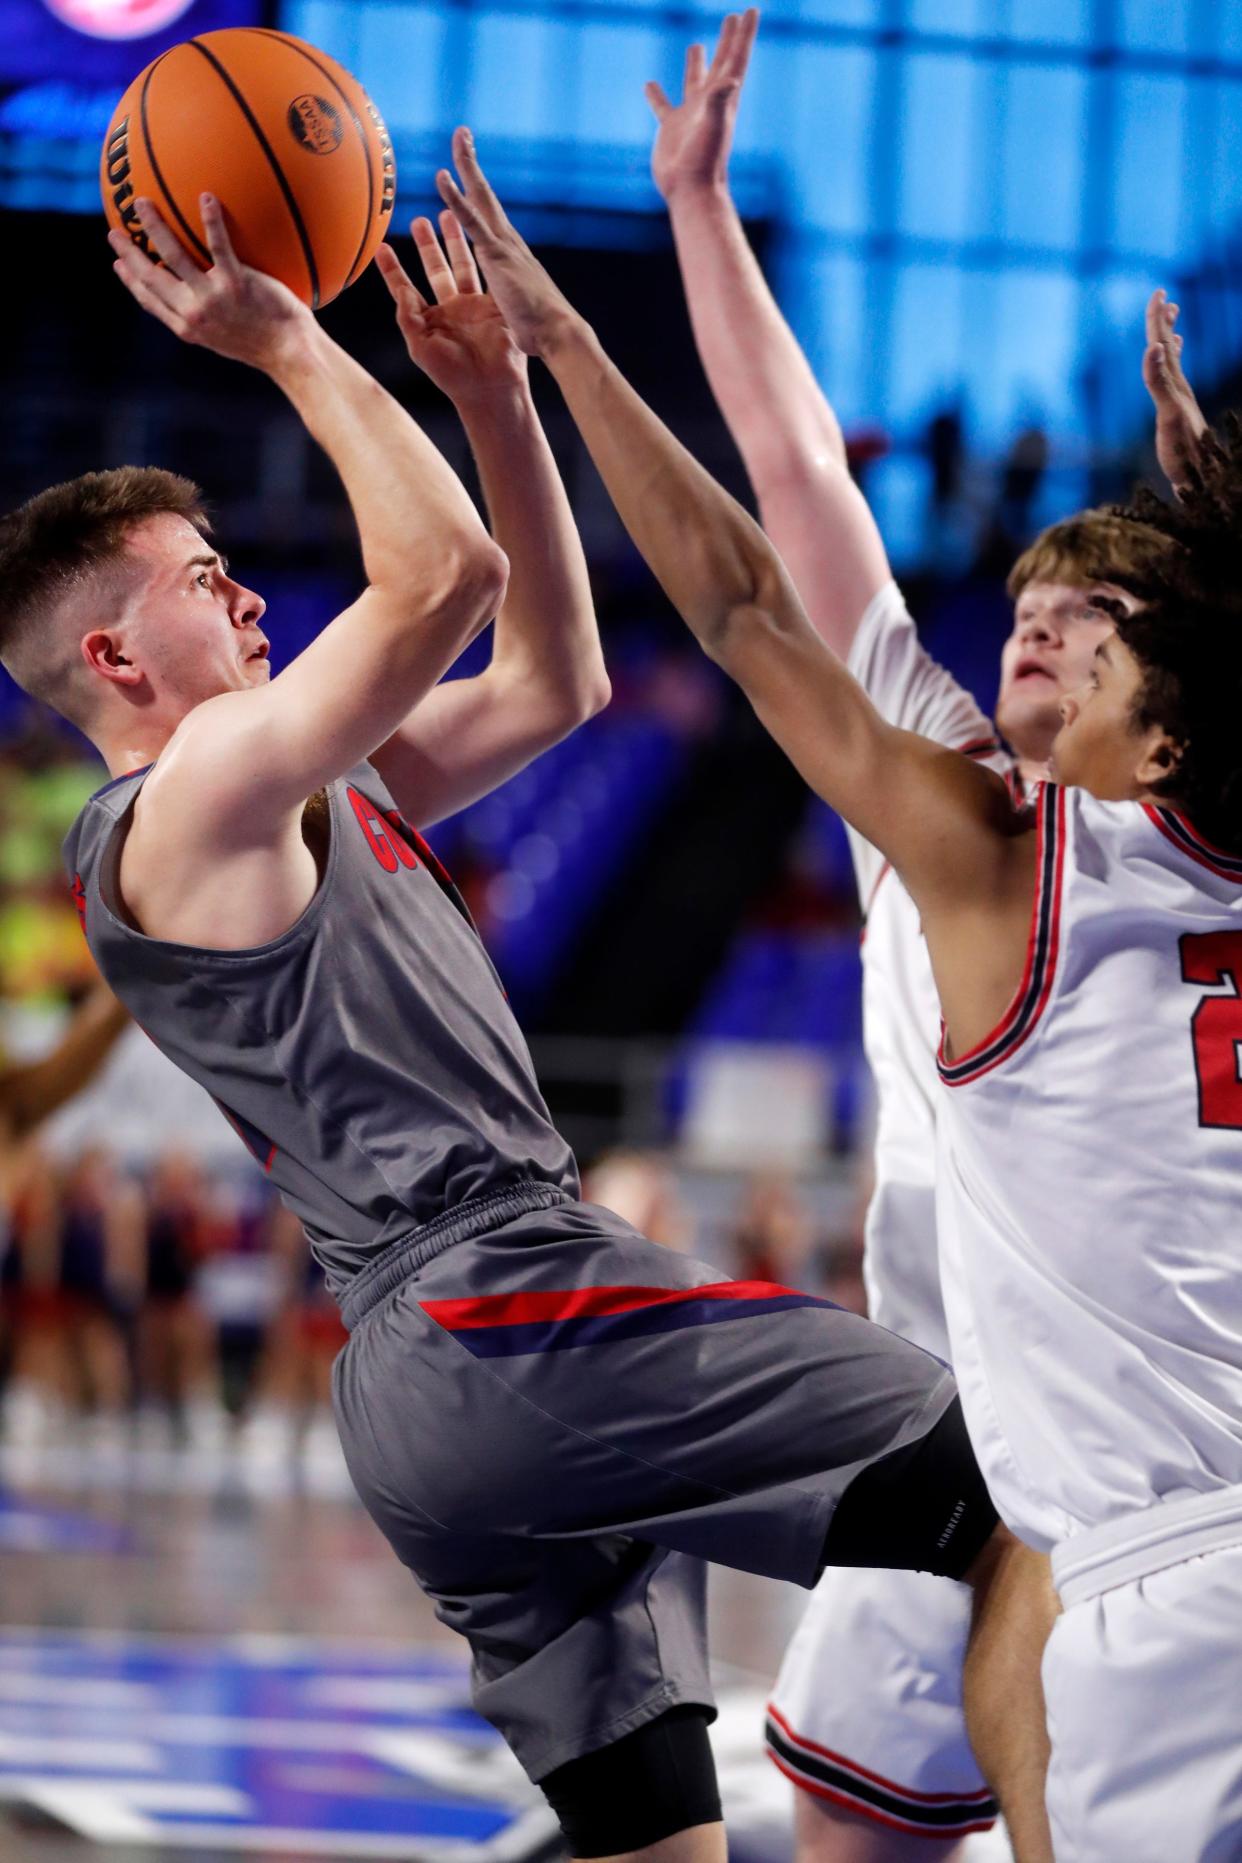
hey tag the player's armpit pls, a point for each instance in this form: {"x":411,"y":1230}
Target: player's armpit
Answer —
{"x":947,"y":824}
{"x":470,"y":735}
{"x":942,"y":820}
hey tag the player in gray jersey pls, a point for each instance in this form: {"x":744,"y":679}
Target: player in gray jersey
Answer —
{"x":554,"y":1421}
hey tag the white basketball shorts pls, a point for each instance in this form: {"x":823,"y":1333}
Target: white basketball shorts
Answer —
{"x":1143,"y":1679}
{"x":867,"y":1709}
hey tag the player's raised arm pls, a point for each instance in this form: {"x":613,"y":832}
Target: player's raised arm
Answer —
{"x":785,"y":429}
{"x":944,"y":822}
{"x":547,"y":670}
{"x":1180,"y":421}
{"x":434,"y":575}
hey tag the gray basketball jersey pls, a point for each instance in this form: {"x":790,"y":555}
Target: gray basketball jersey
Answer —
{"x":368,"y":1057}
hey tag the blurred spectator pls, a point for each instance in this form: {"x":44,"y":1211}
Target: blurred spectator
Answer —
{"x":641,"y":1189}
{"x":78,"y":1251}
{"x":178,"y":1371}
{"x":1012,"y":522}
{"x":773,"y":1236}
{"x":288,"y":1425}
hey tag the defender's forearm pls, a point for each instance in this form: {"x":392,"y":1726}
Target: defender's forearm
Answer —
{"x":786,"y":431}
{"x":709,"y":556}
{"x":546,"y":634}
{"x":764,"y":386}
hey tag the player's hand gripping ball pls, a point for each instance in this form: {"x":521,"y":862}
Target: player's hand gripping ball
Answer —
{"x":283,"y":136}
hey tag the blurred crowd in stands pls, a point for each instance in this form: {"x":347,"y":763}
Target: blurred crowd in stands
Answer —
{"x":177,"y":1309}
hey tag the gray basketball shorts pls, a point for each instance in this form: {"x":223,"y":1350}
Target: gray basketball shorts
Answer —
{"x":556,"y":1422}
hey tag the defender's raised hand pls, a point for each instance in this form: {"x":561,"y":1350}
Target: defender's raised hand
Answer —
{"x":1180,"y":421}
{"x":535,"y":311}
{"x":460,"y":339}
{"x":695,"y":136}
{"x":231,"y":308}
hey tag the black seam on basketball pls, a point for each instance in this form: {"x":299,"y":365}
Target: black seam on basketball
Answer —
{"x":160,"y":182}
{"x":294,"y":210}
{"x":284,"y":38}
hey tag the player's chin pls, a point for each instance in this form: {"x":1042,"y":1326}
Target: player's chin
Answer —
{"x":1023,"y":715}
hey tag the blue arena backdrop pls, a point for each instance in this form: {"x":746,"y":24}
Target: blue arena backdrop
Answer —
{"x":967,"y":201}
{"x":38,"y":46}
{"x":59,"y":85}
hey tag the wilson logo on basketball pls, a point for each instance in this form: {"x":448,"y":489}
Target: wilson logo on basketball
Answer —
{"x":117,"y":170}
{"x":315,"y":124}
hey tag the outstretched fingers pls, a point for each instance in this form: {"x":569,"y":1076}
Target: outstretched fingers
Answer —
{"x":734,"y":46}
{"x":724,"y":45}
{"x":1154,"y":323}
{"x":146,"y":284}
{"x":743,"y":44}
{"x":404,"y":292}
{"x":658,"y":98}
{"x":486,"y":210}
{"x":1162,"y":366}
{"x":455,"y":200}
{"x":155,"y":287}
{"x":465,"y":271}
{"x":164,"y":242}
{"x":439,"y":271}
{"x":216,"y":233}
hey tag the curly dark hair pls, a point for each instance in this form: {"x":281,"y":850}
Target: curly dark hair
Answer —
{"x":1187,"y":634}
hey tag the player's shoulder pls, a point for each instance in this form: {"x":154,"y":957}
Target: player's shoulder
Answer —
{"x":114,"y":796}
{"x":885,"y":614}
{"x":220,"y":772}
{"x":1146,"y":836}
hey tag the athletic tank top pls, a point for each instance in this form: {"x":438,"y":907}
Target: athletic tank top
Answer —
{"x":367,"y":1057}
{"x":901,"y":1010}
{"x":1091,"y":1181}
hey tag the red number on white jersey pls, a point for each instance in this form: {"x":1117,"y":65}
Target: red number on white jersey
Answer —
{"x":1216,"y":958}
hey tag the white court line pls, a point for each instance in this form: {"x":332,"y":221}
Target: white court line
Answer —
{"x":87,"y":1755}
{"x":257,"y":1646}
{"x":220,"y":1730}
{"x":34,"y":1686}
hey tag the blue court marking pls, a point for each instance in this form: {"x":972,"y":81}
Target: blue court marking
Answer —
{"x":26,"y":1527}
{"x":260,"y":1744}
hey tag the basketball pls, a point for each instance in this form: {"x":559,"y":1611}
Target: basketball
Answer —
{"x":283,"y":136}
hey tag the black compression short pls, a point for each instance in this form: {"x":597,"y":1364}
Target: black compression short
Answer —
{"x":923,"y":1508}
{"x":649,"y":1784}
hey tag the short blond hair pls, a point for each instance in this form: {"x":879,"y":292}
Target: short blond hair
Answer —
{"x":1095,"y":546}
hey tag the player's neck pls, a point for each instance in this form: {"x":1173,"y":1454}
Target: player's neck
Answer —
{"x":128,"y":750}
{"x":1033,"y":771}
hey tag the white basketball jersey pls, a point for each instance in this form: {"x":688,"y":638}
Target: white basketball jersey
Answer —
{"x":901,"y":1011}
{"x":1090,"y":1190}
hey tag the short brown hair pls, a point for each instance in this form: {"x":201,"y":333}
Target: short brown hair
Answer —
{"x":1096,"y":546}
{"x":54,"y":542}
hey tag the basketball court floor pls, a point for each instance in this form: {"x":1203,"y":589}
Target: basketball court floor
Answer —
{"x":194,"y":1669}
{"x":195,"y":1666}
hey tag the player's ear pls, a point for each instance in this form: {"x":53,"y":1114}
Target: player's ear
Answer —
{"x":103,"y":653}
{"x":1160,"y":759}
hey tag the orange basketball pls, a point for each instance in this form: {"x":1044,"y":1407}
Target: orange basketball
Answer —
{"x":283,"y":136}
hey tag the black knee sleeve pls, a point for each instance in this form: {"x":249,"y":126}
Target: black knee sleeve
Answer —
{"x":649,"y":1784}
{"x":924,"y":1508}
